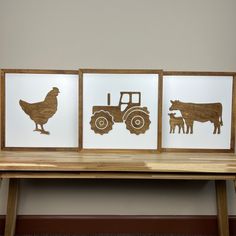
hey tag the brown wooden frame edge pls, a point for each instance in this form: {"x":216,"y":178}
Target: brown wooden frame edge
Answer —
{"x":233,"y":115}
{"x":2,"y":108}
{"x":122,"y":71}
{"x":115,"y":175}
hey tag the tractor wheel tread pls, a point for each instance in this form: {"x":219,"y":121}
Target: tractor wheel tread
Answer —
{"x":107,"y":118}
{"x":142,"y":120}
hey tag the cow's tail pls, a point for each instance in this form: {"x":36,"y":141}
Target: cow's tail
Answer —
{"x":221,"y":121}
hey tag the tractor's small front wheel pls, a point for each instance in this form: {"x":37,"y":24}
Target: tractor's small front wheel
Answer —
{"x":137,"y":122}
{"x":101,"y":122}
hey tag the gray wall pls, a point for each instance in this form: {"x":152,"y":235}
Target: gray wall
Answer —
{"x":160,"y":34}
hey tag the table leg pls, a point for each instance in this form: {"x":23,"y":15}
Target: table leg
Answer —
{"x":222,"y":212}
{"x":11,"y":207}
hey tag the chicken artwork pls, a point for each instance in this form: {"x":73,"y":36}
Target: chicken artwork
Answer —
{"x":40,"y":112}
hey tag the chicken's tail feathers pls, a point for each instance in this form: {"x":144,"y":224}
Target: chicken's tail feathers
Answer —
{"x":25,"y":106}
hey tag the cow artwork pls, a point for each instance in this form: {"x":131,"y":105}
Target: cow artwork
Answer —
{"x":201,"y":112}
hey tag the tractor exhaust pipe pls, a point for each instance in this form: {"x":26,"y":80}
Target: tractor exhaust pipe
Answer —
{"x":108,"y":99}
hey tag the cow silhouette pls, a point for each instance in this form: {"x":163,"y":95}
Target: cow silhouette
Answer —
{"x":201,"y":112}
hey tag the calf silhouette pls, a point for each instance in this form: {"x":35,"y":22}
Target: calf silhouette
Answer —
{"x":176,"y":121}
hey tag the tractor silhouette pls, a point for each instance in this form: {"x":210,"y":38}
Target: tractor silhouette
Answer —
{"x":129,"y":110}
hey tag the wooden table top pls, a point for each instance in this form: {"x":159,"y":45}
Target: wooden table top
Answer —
{"x":150,"y":163}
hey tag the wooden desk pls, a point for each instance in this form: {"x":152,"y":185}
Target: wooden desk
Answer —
{"x":21,"y":165}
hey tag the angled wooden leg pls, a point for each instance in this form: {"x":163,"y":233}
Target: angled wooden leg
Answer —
{"x":222,"y":212}
{"x":11,"y":207}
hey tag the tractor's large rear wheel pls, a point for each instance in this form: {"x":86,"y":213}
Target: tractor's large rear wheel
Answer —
{"x":137,"y":122}
{"x":101,"y":122}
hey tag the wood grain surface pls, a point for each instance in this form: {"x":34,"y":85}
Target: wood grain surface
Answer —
{"x":201,"y":112}
{"x":222,"y":211}
{"x":41,"y":111}
{"x":128,"y":110}
{"x":105,"y":162}
{"x":13,"y":193}
{"x":113,"y":175}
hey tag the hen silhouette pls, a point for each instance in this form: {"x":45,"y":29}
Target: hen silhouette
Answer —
{"x":40,"y":112}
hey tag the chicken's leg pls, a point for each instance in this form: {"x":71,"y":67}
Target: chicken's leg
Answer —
{"x":36,"y":128}
{"x":43,"y":131}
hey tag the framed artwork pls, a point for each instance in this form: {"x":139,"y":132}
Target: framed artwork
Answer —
{"x":198,"y":110}
{"x":39,"y":109}
{"x":120,"y":110}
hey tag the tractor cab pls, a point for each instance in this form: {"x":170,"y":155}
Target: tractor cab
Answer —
{"x":129,"y":99}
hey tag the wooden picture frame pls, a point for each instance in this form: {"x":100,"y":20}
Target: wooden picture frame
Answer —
{"x":101,"y":130}
{"x":35,"y":112}
{"x":210,"y":114}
